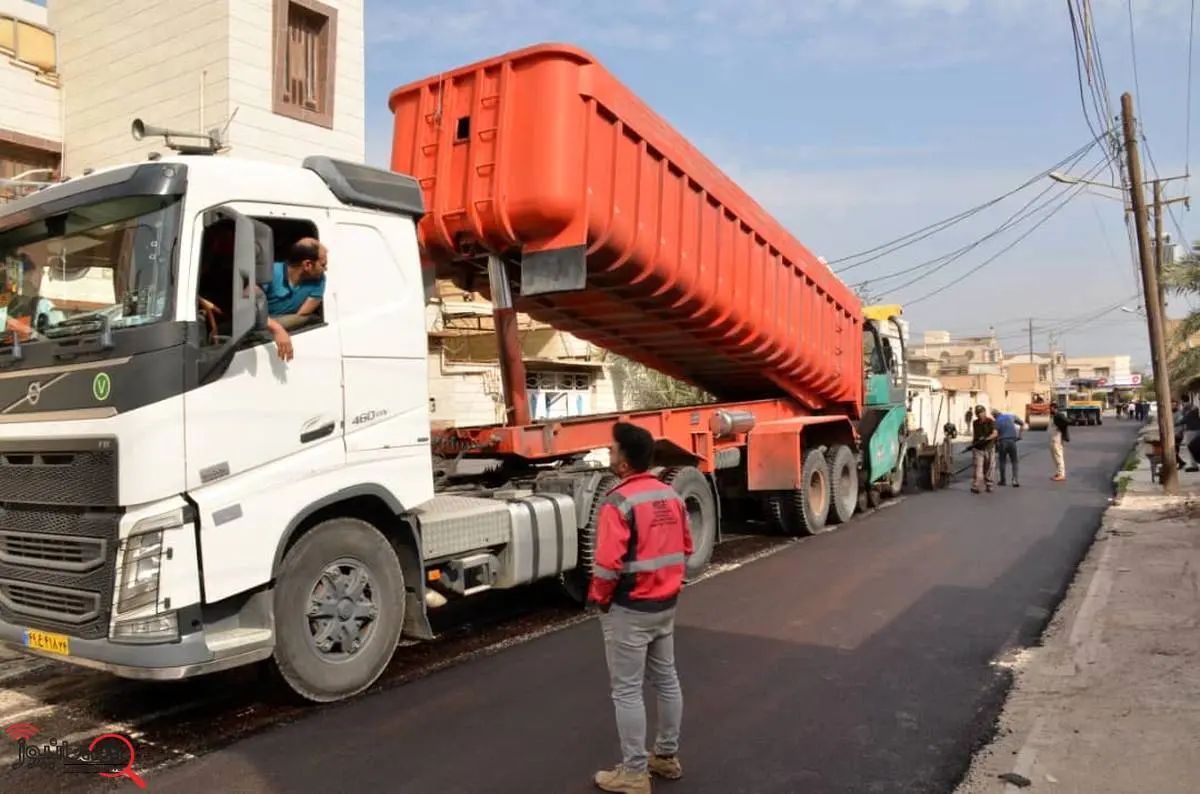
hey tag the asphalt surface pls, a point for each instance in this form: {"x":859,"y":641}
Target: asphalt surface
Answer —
{"x":862,"y":660}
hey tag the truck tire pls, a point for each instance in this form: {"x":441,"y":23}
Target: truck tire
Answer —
{"x":697,"y":495}
{"x":342,"y":566}
{"x":806,"y":511}
{"x":575,"y":582}
{"x":843,"y":483}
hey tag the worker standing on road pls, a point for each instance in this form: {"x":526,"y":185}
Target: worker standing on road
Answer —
{"x":1059,"y":434}
{"x":983,"y":450}
{"x":642,"y":545}
{"x":1010,"y":428}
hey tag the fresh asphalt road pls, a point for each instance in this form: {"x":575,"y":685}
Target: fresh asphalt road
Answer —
{"x":862,"y":660}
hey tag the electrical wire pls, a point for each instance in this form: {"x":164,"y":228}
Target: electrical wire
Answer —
{"x":911,"y":238}
{"x":1137,"y":85}
{"x":1187,"y":125}
{"x":940,"y":262}
{"x":1089,"y":69}
{"x":1071,"y":194}
{"x":1183,"y":238}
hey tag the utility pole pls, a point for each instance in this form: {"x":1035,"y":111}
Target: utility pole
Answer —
{"x":1030,"y":340}
{"x":1159,"y":258}
{"x":1154,"y":307}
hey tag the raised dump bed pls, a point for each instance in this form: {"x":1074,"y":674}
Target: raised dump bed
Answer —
{"x":626,"y":235}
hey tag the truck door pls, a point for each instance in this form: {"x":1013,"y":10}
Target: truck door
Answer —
{"x":258,"y":433}
{"x":385,"y":349}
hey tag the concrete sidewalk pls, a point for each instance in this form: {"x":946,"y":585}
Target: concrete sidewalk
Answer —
{"x":1109,"y":703}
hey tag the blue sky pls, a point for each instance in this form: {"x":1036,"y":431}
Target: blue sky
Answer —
{"x":857,"y":121}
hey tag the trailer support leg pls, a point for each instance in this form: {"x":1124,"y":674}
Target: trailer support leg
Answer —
{"x":508,"y":343}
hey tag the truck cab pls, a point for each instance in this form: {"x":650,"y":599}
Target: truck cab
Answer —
{"x":160,"y":462}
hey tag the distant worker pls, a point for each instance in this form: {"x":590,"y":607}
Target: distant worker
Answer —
{"x":642,"y":544}
{"x":1010,"y":428}
{"x":1060,"y":433}
{"x":983,"y":450}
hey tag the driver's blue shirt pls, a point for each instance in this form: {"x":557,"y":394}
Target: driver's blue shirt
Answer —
{"x":283,"y":298}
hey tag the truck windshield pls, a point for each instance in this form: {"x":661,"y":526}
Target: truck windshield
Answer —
{"x":108,"y":263}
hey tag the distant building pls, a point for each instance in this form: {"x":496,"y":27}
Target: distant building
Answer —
{"x":281,"y":79}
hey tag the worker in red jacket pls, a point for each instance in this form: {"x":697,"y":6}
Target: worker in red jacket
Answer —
{"x":642,"y":545}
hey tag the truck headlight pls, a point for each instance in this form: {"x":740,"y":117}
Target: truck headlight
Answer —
{"x":141,"y":559}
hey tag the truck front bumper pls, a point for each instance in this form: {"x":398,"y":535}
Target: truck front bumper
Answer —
{"x":188,"y":656}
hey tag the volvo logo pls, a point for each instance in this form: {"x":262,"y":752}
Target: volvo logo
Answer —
{"x":33,"y":393}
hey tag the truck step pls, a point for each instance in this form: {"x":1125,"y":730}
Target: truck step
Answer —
{"x":230,"y":640}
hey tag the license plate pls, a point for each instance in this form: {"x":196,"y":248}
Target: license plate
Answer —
{"x":48,"y":642}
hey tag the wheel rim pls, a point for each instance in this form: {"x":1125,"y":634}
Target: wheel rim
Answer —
{"x":818,"y":492}
{"x":342,"y":612}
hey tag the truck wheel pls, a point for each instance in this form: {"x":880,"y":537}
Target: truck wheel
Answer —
{"x":576,"y":581}
{"x":339,"y":610}
{"x":693,"y":488}
{"x":843,"y":483}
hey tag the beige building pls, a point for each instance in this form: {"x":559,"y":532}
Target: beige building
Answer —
{"x":565,"y":376}
{"x":940,"y":353}
{"x":31,"y":114}
{"x":278,"y":79}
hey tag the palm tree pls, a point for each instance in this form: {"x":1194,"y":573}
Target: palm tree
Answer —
{"x":1182,"y":278}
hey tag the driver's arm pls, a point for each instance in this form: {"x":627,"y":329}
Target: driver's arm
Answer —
{"x":309,"y":306}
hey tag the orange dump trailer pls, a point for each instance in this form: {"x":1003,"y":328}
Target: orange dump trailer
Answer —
{"x":616,"y":229}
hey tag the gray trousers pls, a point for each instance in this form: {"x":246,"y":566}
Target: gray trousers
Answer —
{"x":1006,"y":449}
{"x":637,"y":643}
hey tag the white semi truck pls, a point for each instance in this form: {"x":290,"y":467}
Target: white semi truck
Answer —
{"x":176,"y":500}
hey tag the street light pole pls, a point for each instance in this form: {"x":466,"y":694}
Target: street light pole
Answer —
{"x":1154,"y":307}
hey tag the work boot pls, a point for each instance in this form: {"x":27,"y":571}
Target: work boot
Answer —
{"x":623,"y":781}
{"x":666,"y":767}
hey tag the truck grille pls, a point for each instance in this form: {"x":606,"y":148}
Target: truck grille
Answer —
{"x":74,"y":472}
{"x":47,"y":551}
{"x":57,"y":568}
{"x":58,"y":604}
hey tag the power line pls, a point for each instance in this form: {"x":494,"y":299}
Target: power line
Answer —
{"x":1072,"y":193}
{"x":911,"y":238}
{"x":1137,"y":86}
{"x":1187,"y":134}
{"x":947,"y":259}
{"x":1183,"y":239}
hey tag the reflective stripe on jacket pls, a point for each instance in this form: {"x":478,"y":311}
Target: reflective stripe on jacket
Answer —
{"x":642,"y":545}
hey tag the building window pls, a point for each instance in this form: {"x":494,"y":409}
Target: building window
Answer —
{"x":1102,"y":372}
{"x":29,"y":45}
{"x":557,"y":395}
{"x":305,"y":57}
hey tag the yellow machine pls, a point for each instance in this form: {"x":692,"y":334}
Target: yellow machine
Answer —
{"x":1079,"y":406}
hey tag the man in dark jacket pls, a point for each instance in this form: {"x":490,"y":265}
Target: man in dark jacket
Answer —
{"x":642,"y":544}
{"x":983,"y":450}
{"x":1060,"y":434}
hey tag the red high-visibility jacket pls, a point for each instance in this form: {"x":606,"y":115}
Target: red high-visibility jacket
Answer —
{"x":642,"y":544}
